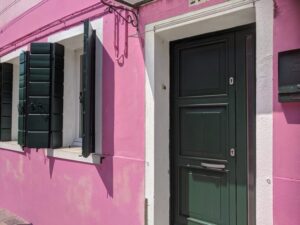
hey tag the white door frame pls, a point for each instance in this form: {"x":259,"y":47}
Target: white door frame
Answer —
{"x":158,"y":35}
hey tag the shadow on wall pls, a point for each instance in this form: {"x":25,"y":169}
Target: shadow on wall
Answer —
{"x":105,"y":170}
{"x":120,"y":47}
{"x":121,"y":51}
{"x":289,"y":110}
{"x":109,"y":61}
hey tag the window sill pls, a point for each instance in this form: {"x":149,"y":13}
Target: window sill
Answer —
{"x":11,"y":146}
{"x":74,"y":154}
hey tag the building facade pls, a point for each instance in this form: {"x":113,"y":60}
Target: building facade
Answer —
{"x":164,"y":145}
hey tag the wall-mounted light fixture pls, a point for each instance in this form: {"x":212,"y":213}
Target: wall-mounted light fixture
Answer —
{"x":133,"y":3}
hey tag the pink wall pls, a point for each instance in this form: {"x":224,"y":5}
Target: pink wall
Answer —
{"x":286,"y":122}
{"x":53,"y":191}
{"x":10,"y":9}
{"x":47,"y":191}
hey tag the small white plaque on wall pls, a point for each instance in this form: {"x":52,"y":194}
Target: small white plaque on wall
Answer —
{"x":196,"y":2}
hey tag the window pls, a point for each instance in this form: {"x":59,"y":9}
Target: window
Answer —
{"x":57,"y":113}
{"x":41,"y":96}
{"x":10,"y":121}
{"x":6,"y":73}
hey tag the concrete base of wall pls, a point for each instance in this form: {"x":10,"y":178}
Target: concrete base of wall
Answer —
{"x":8,"y":218}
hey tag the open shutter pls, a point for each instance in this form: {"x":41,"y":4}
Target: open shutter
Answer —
{"x":88,"y":73}
{"x":6,"y":73}
{"x":44,"y":112}
{"x":24,"y":69}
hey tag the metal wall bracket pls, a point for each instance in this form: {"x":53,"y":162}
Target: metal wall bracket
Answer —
{"x":135,"y":5}
{"x":131,"y":16}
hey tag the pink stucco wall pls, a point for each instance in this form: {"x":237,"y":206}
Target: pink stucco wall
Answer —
{"x":47,"y":191}
{"x":11,"y":9}
{"x":286,"y":122}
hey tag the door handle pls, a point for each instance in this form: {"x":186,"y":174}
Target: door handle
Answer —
{"x":209,"y":166}
{"x":213,"y":166}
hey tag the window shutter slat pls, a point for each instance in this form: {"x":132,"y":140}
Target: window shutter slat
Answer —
{"x":23,"y":75}
{"x":88,"y":72}
{"x":6,"y":73}
{"x":45,"y":96}
{"x":57,"y":93}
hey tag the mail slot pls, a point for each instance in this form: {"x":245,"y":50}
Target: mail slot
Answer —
{"x":289,"y":76}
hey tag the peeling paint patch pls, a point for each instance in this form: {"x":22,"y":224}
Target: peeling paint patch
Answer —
{"x":15,"y":169}
{"x":79,"y":195}
{"x":122,"y":180}
{"x":67,"y":178}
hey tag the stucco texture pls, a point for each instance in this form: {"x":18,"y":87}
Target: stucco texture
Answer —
{"x":286,"y":165}
{"x":45,"y":190}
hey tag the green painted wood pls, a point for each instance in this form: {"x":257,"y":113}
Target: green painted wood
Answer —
{"x":208,"y":118}
{"x":44,"y":96}
{"x":6,"y":73}
{"x":23,"y":76}
{"x":199,"y":126}
{"x":88,"y":87}
{"x":245,"y":70}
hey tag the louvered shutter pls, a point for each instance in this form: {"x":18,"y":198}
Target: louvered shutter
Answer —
{"x":6,"y":73}
{"x":88,"y":73}
{"x":44,"y":112}
{"x":23,"y":75}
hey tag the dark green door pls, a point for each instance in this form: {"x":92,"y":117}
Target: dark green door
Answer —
{"x":203,"y":130}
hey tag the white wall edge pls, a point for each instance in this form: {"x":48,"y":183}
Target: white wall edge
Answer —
{"x":11,"y":146}
{"x":75,"y":31}
{"x":65,"y":34}
{"x":201,"y":14}
{"x":157,"y":38}
{"x":14,"y":54}
{"x":264,"y":112}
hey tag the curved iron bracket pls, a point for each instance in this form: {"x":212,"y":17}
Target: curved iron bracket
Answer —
{"x":130,"y":18}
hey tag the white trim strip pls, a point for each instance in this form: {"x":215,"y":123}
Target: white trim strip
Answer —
{"x":201,"y":14}
{"x":73,"y":154}
{"x":14,"y":54}
{"x":11,"y":146}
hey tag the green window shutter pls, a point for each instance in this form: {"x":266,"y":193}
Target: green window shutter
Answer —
{"x":44,"y":100}
{"x":23,"y":75}
{"x":88,"y":87}
{"x":6,"y":73}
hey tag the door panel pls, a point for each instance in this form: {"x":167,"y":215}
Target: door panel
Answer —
{"x":204,"y":76}
{"x":207,"y":195}
{"x":203,"y":131}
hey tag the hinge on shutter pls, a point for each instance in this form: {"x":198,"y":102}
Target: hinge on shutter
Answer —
{"x":231,"y":80}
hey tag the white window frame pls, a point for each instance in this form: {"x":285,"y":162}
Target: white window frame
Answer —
{"x":13,"y":58}
{"x":74,"y":153}
{"x":69,"y":153}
